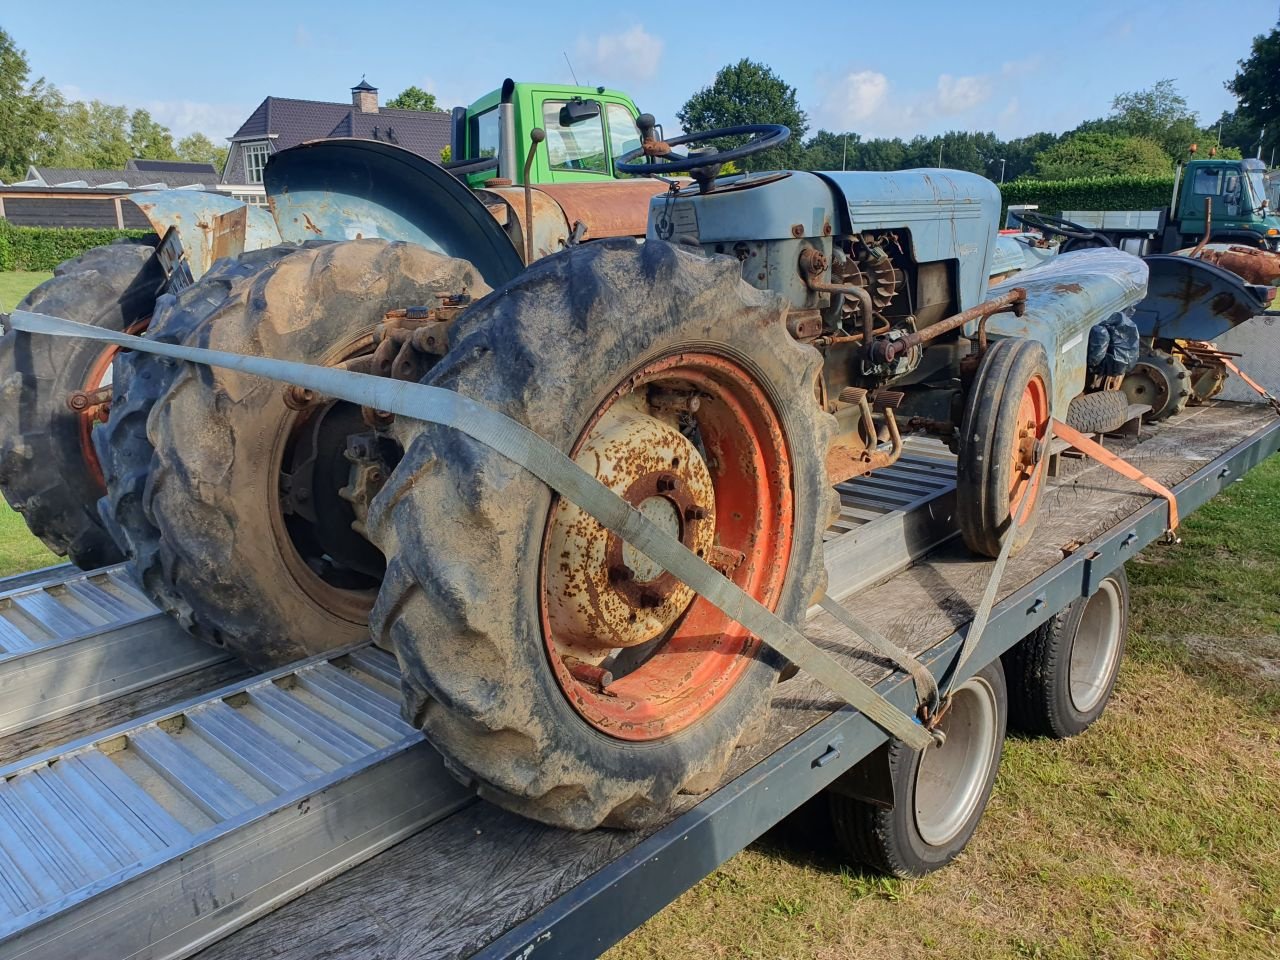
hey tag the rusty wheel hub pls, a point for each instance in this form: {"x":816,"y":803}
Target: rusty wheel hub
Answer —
{"x":1028,"y":449}
{"x":598,"y":586}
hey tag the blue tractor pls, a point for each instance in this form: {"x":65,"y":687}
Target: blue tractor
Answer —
{"x":773,"y":335}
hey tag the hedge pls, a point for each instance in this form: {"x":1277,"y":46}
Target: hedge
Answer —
{"x":1091,"y":193}
{"x":43,"y":248}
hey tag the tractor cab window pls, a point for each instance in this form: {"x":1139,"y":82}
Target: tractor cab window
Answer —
{"x":623,"y":134}
{"x":575,"y":135}
{"x":484,"y":135}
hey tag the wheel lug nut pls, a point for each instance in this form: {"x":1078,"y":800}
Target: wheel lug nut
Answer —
{"x":650,"y":599}
{"x":666,"y":483}
{"x":621,"y":574}
{"x":695,"y":513}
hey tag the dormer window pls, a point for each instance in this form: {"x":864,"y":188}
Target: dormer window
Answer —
{"x":255,"y":161}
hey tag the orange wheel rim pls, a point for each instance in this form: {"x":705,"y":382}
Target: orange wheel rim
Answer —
{"x":704,"y":653}
{"x":1030,"y":433}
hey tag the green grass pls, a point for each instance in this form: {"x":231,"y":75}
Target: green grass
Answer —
{"x":19,"y":551}
{"x":16,"y":284}
{"x":1155,"y":834}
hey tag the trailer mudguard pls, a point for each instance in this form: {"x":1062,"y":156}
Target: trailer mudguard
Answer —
{"x":1193,"y":300}
{"x":210,"y":225}
{"x":1065,"y":298}
{"x":348,"y":189}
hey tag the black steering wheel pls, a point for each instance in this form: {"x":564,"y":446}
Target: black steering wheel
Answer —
{"x":763,"y":136}
{"x":1047,"y":223}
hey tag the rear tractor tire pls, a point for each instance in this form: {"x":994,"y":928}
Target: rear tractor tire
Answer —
{"x":253,"y":546}
{"x":1003,"y":456}
{"x":49,"y":471}
{"x":939,"y":793}
{"x":562,"y":673}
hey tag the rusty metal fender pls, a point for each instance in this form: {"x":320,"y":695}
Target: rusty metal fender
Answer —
{"x":210,"y":225}
{"x":348,"y":189}
{"x":1195,"y":300}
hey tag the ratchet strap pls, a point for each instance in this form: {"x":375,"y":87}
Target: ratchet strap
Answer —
{"x":926,"y":685}
{"x":1098,"y":452}
{"x":1258,"y":388}
{"x":551,"y":466}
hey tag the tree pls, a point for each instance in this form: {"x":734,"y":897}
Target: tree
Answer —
{"x":26,"y":111}
{"x":1019,"y":154}
{"x":1257,"y":86}
{"x":1102,"y":155}
{"x":149,"y":140}
{"x":1158,"y":113}
{"x":414,"y":98}
{"x":831,"y":151}
{"x":882,"y":154}
{"x":749,"y":92}
{"x":197,"y":148}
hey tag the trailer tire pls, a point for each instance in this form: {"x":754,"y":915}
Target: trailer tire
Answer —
{"x":464,"y":602}
{"x":125,"y":450}
{"x":1103,"y":411}
{"x":1009,"y":393}
{"x":47,"y":470}
{"x":1061,"y":675}
{"x":226,"y":560}
{"x":923,"y":832}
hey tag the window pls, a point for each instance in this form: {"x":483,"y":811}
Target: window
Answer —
{"x":255,"y":161}
{"x":1208,"y":182}
{"x":623,"y":135}
{"x":253,"y":199}
{"x":573,"y":146}
{"x":484,"y":135}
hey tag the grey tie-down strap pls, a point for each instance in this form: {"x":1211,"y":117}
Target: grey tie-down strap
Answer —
{"x":551,"y":466}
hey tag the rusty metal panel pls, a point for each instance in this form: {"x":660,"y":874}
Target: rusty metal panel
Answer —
{"x":550,"y":228}
{"x":612,"y":208}
{"x":196,"y":215}
{"x":1193,"y":300}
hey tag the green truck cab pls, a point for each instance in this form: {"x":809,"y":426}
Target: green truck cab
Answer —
{"x":586,"y":128}
{"x":1240,"y":207}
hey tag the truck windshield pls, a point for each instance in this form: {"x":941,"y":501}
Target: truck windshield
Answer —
{"x":484,"y":134}
{"x":1257,"y":187}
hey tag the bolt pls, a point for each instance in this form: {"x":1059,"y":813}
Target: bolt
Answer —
{"x":666,"y":483}
{"x":650,"y":598}
{"x":621,"y":574}
{"x":695,"y":513}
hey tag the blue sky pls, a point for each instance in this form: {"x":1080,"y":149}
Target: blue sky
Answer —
{"x":882,"y":69}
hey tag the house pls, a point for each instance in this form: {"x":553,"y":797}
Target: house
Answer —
{"x":282,"y":122}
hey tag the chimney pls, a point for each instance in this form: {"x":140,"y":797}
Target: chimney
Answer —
{"x":364,"y":97}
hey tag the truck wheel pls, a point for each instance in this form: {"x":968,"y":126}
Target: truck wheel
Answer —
{"x":1062,"y":674}
{"x":939,"y":793}
{"x":564,"y":674}
{"x":256,"y":549}
{"x":48,"y":469}
{"x":138,"y":381}
{"x":1000,"y":470}
{"x":1159,"y":380}
{"x":1100,"y":412}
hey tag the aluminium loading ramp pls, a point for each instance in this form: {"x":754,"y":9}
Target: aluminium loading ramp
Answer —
{"x":481,"y":881}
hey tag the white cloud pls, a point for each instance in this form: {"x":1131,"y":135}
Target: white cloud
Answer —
{"x":858,"y":97}
{"x":958,"y":94}
{"x":216,"y":120}
{"x":630,"y":56}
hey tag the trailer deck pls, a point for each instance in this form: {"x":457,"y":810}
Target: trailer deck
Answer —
{"x":481,"y":881}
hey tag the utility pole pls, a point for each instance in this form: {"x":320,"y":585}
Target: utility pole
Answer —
{"x":1002,"y":170}
{"x":844,"y":155}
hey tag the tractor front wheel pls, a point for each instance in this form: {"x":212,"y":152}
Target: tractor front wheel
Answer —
{"x":559,"y":670}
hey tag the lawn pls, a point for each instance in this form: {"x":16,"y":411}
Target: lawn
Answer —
{"x":1156,"y":834}
{"x":16,"y":284}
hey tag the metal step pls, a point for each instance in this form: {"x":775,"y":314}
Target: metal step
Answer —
{"x":897,"y":515}
{"x":30,"y":578}
{"x":160,"y":836}
{"x":70,"y":639}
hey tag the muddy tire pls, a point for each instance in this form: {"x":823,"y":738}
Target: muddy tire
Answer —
{"x":227,"y":561}
{"x":1062,"y":674}
{"x":47,"y":469}
{"x":465,"y":601}
{"x":996,"y":466}
{"x":139,"y":380}
{"x":1100,"y":412}
{"x":1161,"y":381}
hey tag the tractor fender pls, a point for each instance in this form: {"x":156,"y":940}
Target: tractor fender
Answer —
{"x":209,"y":225}
{"x":1195,"y":300}
{"x":1066,"y":296}
{"x":348,"y":189}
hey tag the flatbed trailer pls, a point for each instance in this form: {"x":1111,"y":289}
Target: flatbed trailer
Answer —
{"x":384,"y":855}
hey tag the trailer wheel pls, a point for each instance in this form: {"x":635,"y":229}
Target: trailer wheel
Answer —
{"x":48,"y":469}
{"x":139,"y":380}
{"x":561,"y":672}
{"x":255,"y":547}
{"x":1062,"y":674}
{"x":1000,"y":470}
{"x":939,"y":793}
{"x":1161,"y":381}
